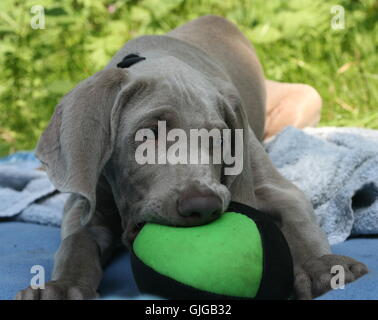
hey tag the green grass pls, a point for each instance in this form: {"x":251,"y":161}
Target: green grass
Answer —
{"x":293,"y":38}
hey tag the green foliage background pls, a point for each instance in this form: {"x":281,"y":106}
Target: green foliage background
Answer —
{"x":293,"y":38}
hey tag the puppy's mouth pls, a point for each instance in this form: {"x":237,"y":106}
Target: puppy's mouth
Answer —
{"x":132,"y":231}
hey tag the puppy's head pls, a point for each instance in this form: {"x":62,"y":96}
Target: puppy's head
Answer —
{"x":153,"y":132}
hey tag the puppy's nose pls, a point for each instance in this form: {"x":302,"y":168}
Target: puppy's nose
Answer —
{"x":204,"y":207}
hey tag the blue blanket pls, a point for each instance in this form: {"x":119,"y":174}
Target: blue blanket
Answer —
{"x":337,"y":168}
{"x":24,"y":245}
{"x":18,"y":254}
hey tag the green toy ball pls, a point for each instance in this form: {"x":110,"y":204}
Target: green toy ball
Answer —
{"x":241,"y":255}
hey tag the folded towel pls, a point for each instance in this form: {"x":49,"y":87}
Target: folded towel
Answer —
{"x":337,"y":168}
{"x":27,"y":194}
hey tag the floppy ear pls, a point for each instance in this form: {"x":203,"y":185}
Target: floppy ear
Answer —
{"x":79,"y":139}
{"x":241,"y":186}
{"x":259,"y":185}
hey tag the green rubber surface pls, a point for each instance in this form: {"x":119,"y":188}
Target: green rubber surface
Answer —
{"x":223,"y":257}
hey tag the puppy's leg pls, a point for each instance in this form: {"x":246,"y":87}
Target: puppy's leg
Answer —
{"x":310,"y":250}
{"x":294,"y":104}
{"x":78,"y":262}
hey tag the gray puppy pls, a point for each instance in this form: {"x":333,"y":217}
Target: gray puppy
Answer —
{"x":204,"y":74}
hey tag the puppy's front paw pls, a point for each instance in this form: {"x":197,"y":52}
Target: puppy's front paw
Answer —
{"x":314,"y":277}
{"x":58,"y":290}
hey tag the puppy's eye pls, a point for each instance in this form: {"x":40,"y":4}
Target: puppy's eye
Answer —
{"x":147,"y":134}
{"x":152,"y":134}
{"x":155,"y":132}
